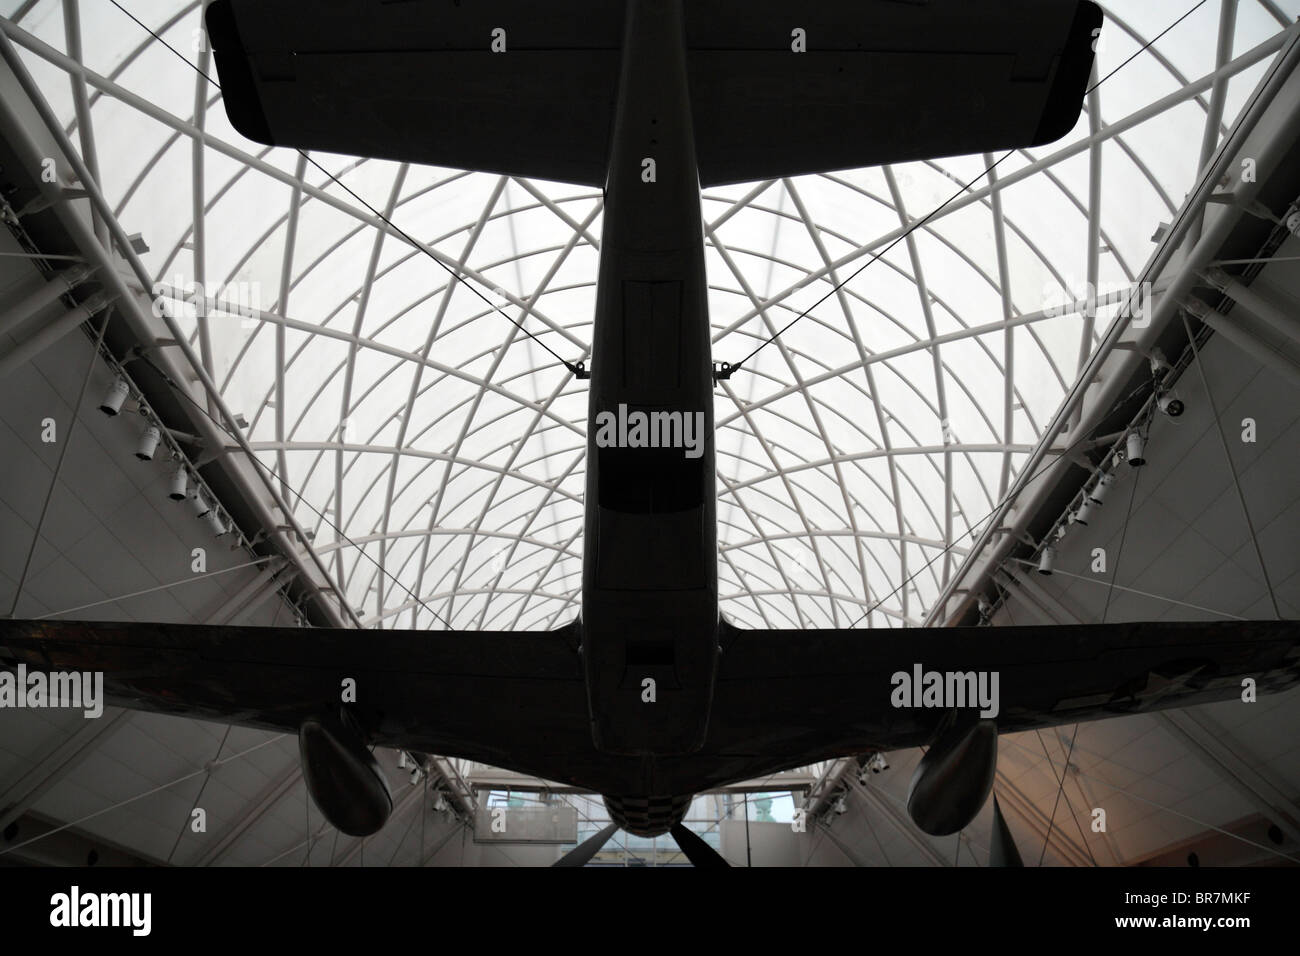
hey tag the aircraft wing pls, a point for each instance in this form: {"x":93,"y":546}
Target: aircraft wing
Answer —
{"x":513,"y":699}
{"x":778,"y":88}
{"x":783,"y":698}
{"x":823,"y":693}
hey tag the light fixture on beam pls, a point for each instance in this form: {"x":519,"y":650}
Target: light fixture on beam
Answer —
{"x":200,"y":504}
{"x":115,"y":396}
{"x":148,"y":443}
{"x":1101,"y":488}
{"x":1046,"y":559}
{"x":1134,"y":447}
{"x":180,"y":480}
{"x":217,"y":523}
{"x":1086,"y":511}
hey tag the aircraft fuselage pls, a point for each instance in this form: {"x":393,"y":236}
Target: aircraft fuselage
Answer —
{"x":649,"y":588}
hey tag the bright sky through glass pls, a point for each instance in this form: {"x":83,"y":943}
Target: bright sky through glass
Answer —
{"x":450,"y":448}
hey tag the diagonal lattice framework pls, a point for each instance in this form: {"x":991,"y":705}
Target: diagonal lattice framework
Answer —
{"x":436,"y":536}
{"x":776,"y":464}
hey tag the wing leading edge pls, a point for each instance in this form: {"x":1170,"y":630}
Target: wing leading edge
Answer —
{"x":783,"y":698}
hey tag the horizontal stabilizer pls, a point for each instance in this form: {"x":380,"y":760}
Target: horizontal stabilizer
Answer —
{"x":777,"y":88}
{"x":880,"y":81}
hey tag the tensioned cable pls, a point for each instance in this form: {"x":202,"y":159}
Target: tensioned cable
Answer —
{"x":141,"y":796}
{"x":199,"y":796}
{"x":161,"y":587}
{"x":274,"y":474}
{"x":1050,"y":763}
{"x":310,"y":837}
{"x":426,"y":857}
{"x":1144,"y":48}
{"x":1138,"y":591}
{"x":902,"y":806}
{"x":938,"y":209}
{"x":1232,"y":468}
{"x":573,"y":367}
{"x":401,"y":841}
{"x":58,"y":465}
{"x":1128,"y":515}
{"x":1060,"y":788}
{"x":871,"y":828}
{"x":1177,"y":813}
{"x":333,"y":847}
{"x":1011,"y":493}
{"x":822,"y":833}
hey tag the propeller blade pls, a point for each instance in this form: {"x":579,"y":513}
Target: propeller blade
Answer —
{"x":1002,"y":847}
{"x":697,"y":851}
{"x":581,"y":854}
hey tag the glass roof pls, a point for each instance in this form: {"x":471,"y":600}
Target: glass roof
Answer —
{"x":439,"y":453}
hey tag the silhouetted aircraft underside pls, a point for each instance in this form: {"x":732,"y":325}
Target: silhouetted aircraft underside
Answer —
{"x":711,"y":92}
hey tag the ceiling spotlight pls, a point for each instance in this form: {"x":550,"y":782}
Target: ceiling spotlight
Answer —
{"x":1100,"y":489}
{"x":200,"y":504}
{"x":115,"y":396}
{"x":216,"y":523}
{"x":1158,"y":362}
{"x":179,"y":481}
{"x":1045,"y":560}
{"x":149,"y":439}
{"x":1085,"y":512}
{"x":1173,"y":407}
{"x":1133,"y":447}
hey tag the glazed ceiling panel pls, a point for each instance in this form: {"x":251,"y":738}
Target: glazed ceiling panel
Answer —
{"x":438,"y":451}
